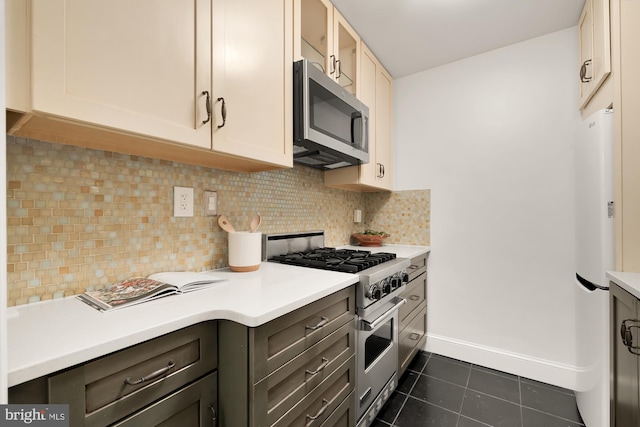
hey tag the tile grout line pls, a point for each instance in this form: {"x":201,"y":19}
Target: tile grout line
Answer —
{"x":410,"y":390}
{"x":520,"y":397}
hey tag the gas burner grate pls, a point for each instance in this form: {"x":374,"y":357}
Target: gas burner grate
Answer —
{"x":344,"y":260}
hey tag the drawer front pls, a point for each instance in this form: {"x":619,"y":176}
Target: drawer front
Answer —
{"x":411,"y":339}
{"x":284,"y":338}
{"x":112,"y":387}
{"x":418,"y":265}
{"x":192,"y":406}
{"x":416,"y":295}
{"x":345,"y":415}
{"x":280,"y":391}
{"x":314,"y":409}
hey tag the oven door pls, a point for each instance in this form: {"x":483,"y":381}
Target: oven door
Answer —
{"x":377,"y":355}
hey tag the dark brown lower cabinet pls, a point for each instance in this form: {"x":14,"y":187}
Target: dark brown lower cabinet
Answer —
{"x":297,"y":370}
{"x":172,"y":377}
{"x":413,"y":314}
{"x":625,"y":358}
{"x":192,"y":406}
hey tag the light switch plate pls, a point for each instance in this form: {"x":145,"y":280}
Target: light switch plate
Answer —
{"x":182,"y":201}
{"x":210,"y":203}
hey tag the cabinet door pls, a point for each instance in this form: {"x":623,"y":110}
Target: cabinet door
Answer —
{"x":316,"y":35}
{"x":625,"y":410}
{"x":136,"y":66}
{"x":193,"y":406}
{"x":253,"y":79}
{"x":367,"y":94}
{"x":594,"y":48}
{"x":383,"y":129}
{"x":585,"y":41}
{"x":346,"y":48}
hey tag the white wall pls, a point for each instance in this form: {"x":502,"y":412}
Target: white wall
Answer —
{"x":491,"y":136}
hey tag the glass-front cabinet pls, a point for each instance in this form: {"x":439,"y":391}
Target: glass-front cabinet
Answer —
{"x":329,"y":42}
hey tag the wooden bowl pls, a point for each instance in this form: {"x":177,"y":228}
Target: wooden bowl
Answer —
{"x":370,"y":239}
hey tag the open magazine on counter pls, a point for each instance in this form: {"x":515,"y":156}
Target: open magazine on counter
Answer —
{"x":137,"y":290}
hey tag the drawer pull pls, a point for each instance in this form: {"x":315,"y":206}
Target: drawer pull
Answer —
{"x":325,"y":405}
{"x":320,"y":324}
{"x":151,"y":376}
{"x":414,"y":297}
{"x":323,"y":365}
{"x":414,"y":336}
{"x":414,"y":266}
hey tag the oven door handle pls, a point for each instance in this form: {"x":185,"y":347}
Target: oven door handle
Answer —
{"x":370,"y":326}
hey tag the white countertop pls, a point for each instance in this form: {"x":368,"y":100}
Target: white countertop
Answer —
{"x":630,"y":282}
{"x":80,"y":333}
{"x":48,"y":336}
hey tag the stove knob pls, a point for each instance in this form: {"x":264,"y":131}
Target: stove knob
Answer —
{"x":396,"y":282}
{"x":386,"y":286}
{"x":405,"y":277}
{"x":373,"y":293}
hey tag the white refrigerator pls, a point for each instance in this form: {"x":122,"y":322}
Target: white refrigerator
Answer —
{"x":594,"y":256}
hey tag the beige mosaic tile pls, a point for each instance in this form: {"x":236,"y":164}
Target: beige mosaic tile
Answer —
{"x":82,"y":219}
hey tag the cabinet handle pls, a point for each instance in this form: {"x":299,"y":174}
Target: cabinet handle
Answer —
{"x":339,"y":64}
{"x":325,"y":405}
{"x":223,"y":110}
{"x":583,"y":72}
{"x":414,"y":297}
{"x":414,"y":336}
{"x":320,"y":368}
{"x":214,"y":417}
{"x":151,"y":376}
{"x":380,"y":169}
{"x":333,"y":64}
{"x":208,"y":106}
{"x":627,"y":336}
{"x":320,"y":324}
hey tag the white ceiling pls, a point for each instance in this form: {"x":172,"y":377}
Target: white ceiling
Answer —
{"x":409,"y":36}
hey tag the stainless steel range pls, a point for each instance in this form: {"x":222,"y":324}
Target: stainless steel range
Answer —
{"x":382,"y":277}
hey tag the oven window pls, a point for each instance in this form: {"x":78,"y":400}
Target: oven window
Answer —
{"x":377,"y":343}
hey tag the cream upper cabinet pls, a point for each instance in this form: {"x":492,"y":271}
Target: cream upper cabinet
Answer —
{"x":151,"y":78}
{"x":253,"y":79}
{"x":134,"y":66}
{"x":594,"y":48}
{"x":376,"y":93}
{"x":328,"y":41}
{"x":346,"y":48}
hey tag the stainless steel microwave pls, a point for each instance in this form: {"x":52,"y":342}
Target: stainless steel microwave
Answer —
{"x":330,"y":125}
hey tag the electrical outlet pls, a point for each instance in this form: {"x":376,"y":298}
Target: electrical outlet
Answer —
{"x":210,"y":203}
{"x":357,"y":215}
{"x":182,"y":201}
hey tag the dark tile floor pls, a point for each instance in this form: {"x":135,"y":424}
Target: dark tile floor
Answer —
{"x":443,"y":392}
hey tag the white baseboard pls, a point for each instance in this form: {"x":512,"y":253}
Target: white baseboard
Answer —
{"x":550,"y":372}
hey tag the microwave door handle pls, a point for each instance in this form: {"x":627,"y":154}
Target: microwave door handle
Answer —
{"x":365,"y":133}
{"x":355,"y":116}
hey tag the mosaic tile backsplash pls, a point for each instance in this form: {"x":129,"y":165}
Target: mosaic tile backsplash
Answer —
{"x":82,"y":219}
